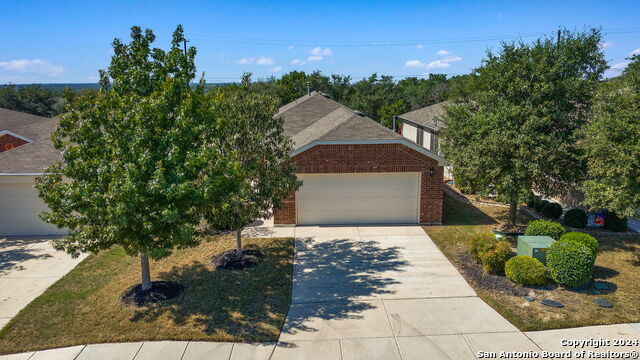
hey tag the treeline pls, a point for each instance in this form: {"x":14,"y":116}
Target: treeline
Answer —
{"x":379,"y":97}
{"x":32,"y":99}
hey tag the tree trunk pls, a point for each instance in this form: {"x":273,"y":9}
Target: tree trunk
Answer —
{"x":239,"y":241}
{"x":146,"y":274}
{"x":513,"y":211}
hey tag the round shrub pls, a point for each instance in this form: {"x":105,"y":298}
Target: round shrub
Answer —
{"x":613,"y":222}
{"x":582,"y":239}
{"x":552,"y":210}
{"x":570,"y":264}
{"x":539,"y":205}
{"x":493,"y":259}
{"x":526,"y":270}
{"x":545,"y":228}
{"x":532,"y":200}
{"x":576,"y":218}
{"x":479,"y":243}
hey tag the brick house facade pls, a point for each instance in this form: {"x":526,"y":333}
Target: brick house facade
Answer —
{"x":371,"y":158}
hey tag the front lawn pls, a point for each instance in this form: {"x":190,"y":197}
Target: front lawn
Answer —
{"x":618,"y":264}
{"x":84,"y":307}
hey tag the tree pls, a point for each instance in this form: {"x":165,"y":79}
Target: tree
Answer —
{"x":386,"y":113}
{"x":32,"y":99}
{"x":140,"y":156}
{"x":515,"y":126}
{"x":612,"y":145}
{"x":370,"y":94}
{"x":256,"y":140}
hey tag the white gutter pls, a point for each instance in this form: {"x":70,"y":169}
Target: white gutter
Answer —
{"x":7,"y":132}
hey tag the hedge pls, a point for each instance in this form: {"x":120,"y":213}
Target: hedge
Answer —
{"x":576,"y":218}
{"x":582,"y":239}
{"x":526,"y":270}
{"x":570,"y":264}
{"x":545,"y":228}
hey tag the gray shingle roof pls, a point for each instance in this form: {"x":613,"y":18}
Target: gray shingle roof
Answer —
{"x":430,"y":116}
{"x":315,"y":117}
{"x":32,"y":157}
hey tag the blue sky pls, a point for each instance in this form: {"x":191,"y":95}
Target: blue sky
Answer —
{"x":68,"y":41}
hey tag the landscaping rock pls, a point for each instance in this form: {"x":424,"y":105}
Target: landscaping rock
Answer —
{"x":604,"y":303}
{"x":160,"y":290}
{"x":551,"y":303}
{"x":530,"y":298}
{"x":231,"y":260}
{"x":601,"y":285}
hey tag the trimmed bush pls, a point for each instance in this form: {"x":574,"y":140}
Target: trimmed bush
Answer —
{"x":493,"y":259}
{"x":526,"y":270}
{"x":545,"y":228}
{"x":576,"y":218}
{"x":613,"y":222}
{"x":552,"y":210}
{"x":582,"y":239}
{"x":539,"y":205}
{"x":532,"y":200}
{"x":479,"y":243}
{"x":570,"y":264}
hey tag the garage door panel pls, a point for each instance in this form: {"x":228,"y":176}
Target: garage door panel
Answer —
{"x":19,"y":210}
{"x":358,"y":198}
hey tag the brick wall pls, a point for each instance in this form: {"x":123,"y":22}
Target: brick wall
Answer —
{"x":6,"y":141}
{"x":371,"y":158}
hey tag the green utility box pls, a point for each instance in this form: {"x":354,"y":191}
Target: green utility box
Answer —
{"x":535,"y":246}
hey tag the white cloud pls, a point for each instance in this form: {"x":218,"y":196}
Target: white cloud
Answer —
{"x":606,"y":45}
{"x":635,"y":52}
{"x":298,"y":62}
{"x":420,"y":46}
{"x":314,"y":58}
{"x":32,"y":66}
{"x":290,"y":47}
{"x":246,"y":61}
{"x":438,"y":64}
{"x":414,"y":64}
{"x":452,"y":59}
{"x":443,"y":52}
{"x":620,"y":66}
{"x":275,"y":69}
{"x":264,"y":61}
{"x":318,"y":51}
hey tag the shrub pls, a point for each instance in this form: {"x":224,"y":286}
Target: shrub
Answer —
{"x":576,"y":218}
{"x":526,"y":270}
{"x":539,"y":205}
{"x":479,"y":243}
{"x":613,"y":222}
{"x":545,"y":228}
{"x":493,"y":259}
{"x":582,"y":239}
{"x":532,"y":200}
{"x":570,"y":263}
{"x":552,"y":210}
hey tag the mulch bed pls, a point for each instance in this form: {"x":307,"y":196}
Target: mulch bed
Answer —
{"x":160,"y":290}
{"x":231,"y":260}
{"x":473,"y":271}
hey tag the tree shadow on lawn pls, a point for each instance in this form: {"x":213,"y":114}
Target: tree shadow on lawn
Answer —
{"x":333,"y":279}
{"x":244,"y":305}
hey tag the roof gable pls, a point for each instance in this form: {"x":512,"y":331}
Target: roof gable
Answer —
{"x":427,"y":116}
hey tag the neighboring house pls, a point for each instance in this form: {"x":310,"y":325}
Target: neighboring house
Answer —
{"x":423,"y":126}
{"x":25,"y":150}
{"x":356,"y":171}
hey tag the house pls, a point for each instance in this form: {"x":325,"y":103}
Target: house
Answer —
{"x":423,"y":125}
{"x":25,"y":150}
{"x":356,"y":171}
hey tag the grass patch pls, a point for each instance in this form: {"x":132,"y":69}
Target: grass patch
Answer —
{"x":84,"y":307}
{"x":618,"y":263}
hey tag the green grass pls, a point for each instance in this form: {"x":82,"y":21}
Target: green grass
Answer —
{"x":618,"y":263}
{"x":84,"y":307}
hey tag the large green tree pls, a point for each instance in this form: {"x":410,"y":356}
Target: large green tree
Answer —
{"x":256,"y":141}
{"x":612,"y":145}
{"x":140,"y":156}
{"x":515,"y":126}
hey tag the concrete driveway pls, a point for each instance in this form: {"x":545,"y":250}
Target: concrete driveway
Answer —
{"x":381,"y":292}
{"x":28,"y":266}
